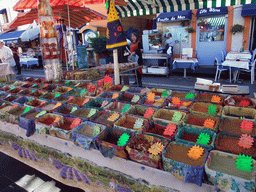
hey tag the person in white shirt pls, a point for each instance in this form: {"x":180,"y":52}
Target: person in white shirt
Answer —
{"x":170,"y":44}
{"x":6,"y":54}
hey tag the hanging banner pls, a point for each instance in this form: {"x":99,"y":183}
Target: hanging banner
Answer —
{"x":48,"y":41}
{"x":115,"y":33}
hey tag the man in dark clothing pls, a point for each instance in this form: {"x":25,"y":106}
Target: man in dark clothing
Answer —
{"x":16,"y":57}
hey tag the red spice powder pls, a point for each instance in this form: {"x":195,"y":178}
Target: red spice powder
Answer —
{"x":193,"y":120}
{"x":192,"y":137}
{"x":48,"y":121}
{"x":159,"y":131}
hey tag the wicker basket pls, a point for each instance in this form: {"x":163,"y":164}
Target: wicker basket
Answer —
{"x":229,"y":143}
{"x":201,"y":107}
{"x":47,"y":97}
{"x":196,"y":132}
{"x":108,"y":95}
{"x":157,"y":103}
{"x":49,"y":88}
{"x":182,"y":95}
{"x":116,"y":88}
{"x":25,"y":92}
{"x":3,"y":112}
{"x":18,"y":83}
{"x":42,"y":127}
{"x":61,"y":99}
{"x":126,"y":98}
{"x":47,"y":107}
{"x":62,"y":128}
{"x":82,"y":113}
{"x":238,"y":112}
{"x":35,"y":103}
{"x":15,"y":90}
{"x":97,"y":104}
{"x":135,"y":91}
{"x":127,"y":123}
{"x":235,"y":100}
{"x":143,"y":156}
{"x":157,"y":129}
{"x":202,"y":117}
{"x":107,"y":143}
{"x":184,"y":104}
{"x":84,"y":136}
{"x":222,"y":172}
{"x":37,"y":93}
{"x":74,"y":92}
{"x":62,"y":90}
{"x":27,"y":121}
{"x":72,"y":84}
{"x":139,"y":111}
{"x":182,"y":171}
{"x":78,"y":101}
{"x":13,"y":115}
{"x":101,"y":118}
{"x":116,"y":107}
{"x":63,"y":110}
{"x":159,"y":92}
{"x":207,"y":97}
{"x":21,"y":100}
{"x":165,"y":115}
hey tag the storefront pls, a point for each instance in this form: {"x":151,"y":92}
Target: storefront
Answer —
{"x":178,"y":24}
{"x":249,"y":14}
{"x":211,"y":33}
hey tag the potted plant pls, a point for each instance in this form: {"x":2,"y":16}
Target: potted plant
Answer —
{"x":98,"y":45}
{"x":237,"y":28}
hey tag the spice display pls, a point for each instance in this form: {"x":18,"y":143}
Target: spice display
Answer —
{"x":244,"y":163}
{"x":149,"y":112}
{"x":246,"y":141}
{"x":195,"y":152}
{"x":123,"y":139}
{"x":170,"y":129}
{"x":216,"y":99}
{"x":203,"y":139}
{"x":209,"y":123}
{"x":156,"y":148}
{"x":246,"y":125}
{"x":176,"y":116}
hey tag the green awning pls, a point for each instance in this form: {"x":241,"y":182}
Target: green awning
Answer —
{"x":148,"y":7}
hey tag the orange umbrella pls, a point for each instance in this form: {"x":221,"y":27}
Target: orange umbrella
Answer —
{"x":31,"y":4}
{"x":78,"y":16}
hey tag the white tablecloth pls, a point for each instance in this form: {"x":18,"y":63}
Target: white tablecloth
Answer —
{"x":239,"y":55}
{"x":238,"y":64}
{"x":28,"y":61}
{"x":5,"y":69}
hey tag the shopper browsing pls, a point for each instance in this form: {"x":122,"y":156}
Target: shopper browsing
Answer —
{"x":6,"y":54}
{"x":16,"y":57}
{"x":136,"y":49}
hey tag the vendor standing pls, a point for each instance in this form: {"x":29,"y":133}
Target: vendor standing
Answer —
{"x":136,"y":49}
{"x":6,"y":54}
{"x":170,"y":44}
{"x":15,"y":51}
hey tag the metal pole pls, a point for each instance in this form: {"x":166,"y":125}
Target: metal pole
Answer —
{"x":116,"y":67}
{"x":72,"y":55}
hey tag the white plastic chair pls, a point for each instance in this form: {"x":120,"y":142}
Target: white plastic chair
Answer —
{"x":219,"y":69}
{"x":188,"y":52}
{"x":222,"y":56}
{"x":250,"y":70}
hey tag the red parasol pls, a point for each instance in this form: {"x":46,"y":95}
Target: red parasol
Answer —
{"x":78,"y":16}
{"x":31,"y":4}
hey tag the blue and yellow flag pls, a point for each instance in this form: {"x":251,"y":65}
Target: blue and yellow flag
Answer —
{"x":115,"y":33}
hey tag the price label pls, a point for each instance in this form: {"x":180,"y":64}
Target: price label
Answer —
{"x":67,"y":82}
{"x":73,"y":109}
{"x":26,"y":110}
{"x":40,"y":114}
{"x":124,"y":88}
{"x":57,"y":95}
{"x":57,"y":105}
{"x":92,"y":112}
{"x":70,"y":98}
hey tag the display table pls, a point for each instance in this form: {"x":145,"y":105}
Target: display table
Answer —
{"x":185,"y":64}
{"x":45,"y":153}
{"x":28,"y":61}
{"x":6,"y":71}
{"x":238,"y":60}
{"x":239,"y":55}
{"x":243,"y":90}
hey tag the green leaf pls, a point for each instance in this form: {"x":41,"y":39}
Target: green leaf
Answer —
{"x":40,"y":114}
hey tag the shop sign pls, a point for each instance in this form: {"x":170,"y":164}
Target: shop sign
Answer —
{"x":174,"y":16}
{"x":212,"y":11}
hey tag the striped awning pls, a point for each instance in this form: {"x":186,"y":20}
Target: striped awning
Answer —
{"x":148,"y":7}
{"x":78,"y":16}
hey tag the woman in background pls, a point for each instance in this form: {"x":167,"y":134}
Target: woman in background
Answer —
{"x":136,"y":49}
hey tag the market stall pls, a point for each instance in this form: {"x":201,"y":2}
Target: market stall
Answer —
{"x":133,"y":135}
